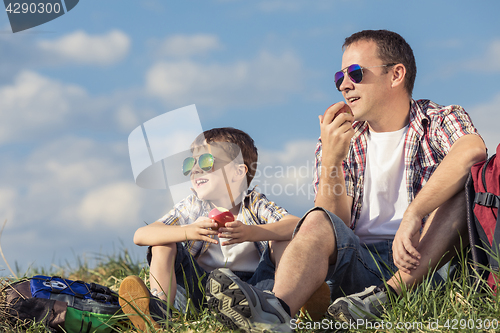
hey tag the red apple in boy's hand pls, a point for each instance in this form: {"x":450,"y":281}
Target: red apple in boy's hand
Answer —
{"x":221,"y":216}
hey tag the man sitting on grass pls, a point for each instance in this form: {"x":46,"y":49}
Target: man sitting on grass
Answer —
{"x":390,"y":196}
{"x":184,"y":245}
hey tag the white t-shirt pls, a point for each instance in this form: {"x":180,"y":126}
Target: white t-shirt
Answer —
{"x":385,"y":197}
{"x":241,"y":257}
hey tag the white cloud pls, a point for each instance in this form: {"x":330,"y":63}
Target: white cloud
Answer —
{"x":285,"y":176}
{"x":79,"y":47}
{"x":486,"y":119}
{"x":34,"y":106}
{"x":80,"y":162}
{"x":188,"y":45}
{"x":127,"y":117}
{"x":492,"y":60}
{"x":265,"y":79}
{"x":55,"y":178}
{"x":35,"y":103}
{"x":111,"y":205}
{"x":155,"y":6}
{"x":72,"y":193}
{"x":8,"y":198}
{"x":487,"y":63}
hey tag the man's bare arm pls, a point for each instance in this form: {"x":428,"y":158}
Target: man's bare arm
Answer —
{"x":336,"y":134}
{"x":448,"y":179}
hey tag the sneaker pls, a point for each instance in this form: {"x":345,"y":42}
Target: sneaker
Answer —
{"x":366,"y":305}
{"x":141,"y":308}
{"x":240,"y":306}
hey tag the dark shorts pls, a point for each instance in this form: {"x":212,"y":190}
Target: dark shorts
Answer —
{"x":192,"y":278}
{"x":358,"y":265}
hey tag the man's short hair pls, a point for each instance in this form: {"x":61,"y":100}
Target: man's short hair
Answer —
{"x":392,"y":48}
{"x":232,"y":135}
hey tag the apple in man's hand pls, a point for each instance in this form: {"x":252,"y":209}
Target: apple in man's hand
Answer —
{"x":221,"y":216}
{"x":344,"y":109}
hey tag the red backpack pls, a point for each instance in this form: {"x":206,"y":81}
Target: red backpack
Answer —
{"x":483,"y":200}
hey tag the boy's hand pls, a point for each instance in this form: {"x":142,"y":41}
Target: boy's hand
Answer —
{"x":236,"y":231}
{"x":200,"y":230}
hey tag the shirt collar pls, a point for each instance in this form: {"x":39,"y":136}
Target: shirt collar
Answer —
{"x":418,"y":121}
{"x":418,"y":118}
{"x":245,"y":200}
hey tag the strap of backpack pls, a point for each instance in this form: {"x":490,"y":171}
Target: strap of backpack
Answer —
{"x":483,"y":173}
{"x":494,"y":264}
{"x":487,"y":199}
{"x":490,"y":200}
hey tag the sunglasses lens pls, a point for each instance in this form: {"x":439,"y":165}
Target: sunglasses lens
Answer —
{"x":206,"y":162}
{"x":355,"y":73}
{"x":339,"y":78}
{"x":188,"y":165}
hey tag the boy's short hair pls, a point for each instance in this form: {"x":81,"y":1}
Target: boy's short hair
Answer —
{"x":241,"y":139}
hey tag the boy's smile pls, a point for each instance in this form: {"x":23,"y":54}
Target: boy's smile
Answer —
{"x":198,"y":182}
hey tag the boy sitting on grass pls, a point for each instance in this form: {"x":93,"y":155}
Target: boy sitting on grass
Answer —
{"x":185,"y":245}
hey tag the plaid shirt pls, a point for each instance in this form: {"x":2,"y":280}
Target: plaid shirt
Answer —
{"x":256,"y":209}
{"x":431,"y":132}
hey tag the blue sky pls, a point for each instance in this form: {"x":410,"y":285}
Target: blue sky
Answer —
{"x":73,"y":89}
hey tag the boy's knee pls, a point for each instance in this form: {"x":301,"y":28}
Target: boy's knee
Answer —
{"x":276,"y":249}
{"x":278,"y":245}
{"x":164,"y":250}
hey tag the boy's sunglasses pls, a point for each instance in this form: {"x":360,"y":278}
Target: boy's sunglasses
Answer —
{"x":355,"y":73}
{"x":205,"y":161}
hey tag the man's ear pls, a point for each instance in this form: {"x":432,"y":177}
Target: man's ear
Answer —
{"x":398,"y":75}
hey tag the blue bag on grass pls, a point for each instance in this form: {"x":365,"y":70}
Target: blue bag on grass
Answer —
{"x":64,"y":305}
{"x":54,"y":287}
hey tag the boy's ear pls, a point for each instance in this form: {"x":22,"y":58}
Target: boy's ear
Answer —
{"x":241,"y":172}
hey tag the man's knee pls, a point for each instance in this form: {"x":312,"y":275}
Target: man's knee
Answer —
{"x":317,"y":221}
{"x":451,"y":215}
{"x":318,"y":224}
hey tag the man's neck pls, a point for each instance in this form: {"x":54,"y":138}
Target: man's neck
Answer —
{"x":394,"y":118}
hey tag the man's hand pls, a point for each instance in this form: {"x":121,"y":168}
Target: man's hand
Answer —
{"x":336,"y":133}
{"x":237,"y":232}
{"x":405,"y":255}
{"x":200,"y":230}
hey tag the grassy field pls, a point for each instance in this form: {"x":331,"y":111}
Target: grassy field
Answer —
{"x":458,"y":306}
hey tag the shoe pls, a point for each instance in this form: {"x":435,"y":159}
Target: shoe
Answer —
{"x":366,"y":305}
{"x":240,"y":306}
{"x":141,"y":308}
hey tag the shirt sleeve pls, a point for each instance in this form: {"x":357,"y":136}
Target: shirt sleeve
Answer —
{"x":179,"y":215}
{"x":349,"y":181}
{"x":317,"y":167}
{"x":265,"y":210}
{"x":455,"y":124}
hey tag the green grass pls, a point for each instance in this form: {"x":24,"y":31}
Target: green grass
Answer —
{"x":458,"y":306}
